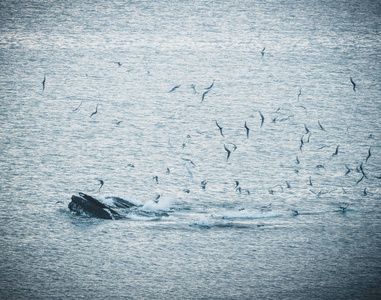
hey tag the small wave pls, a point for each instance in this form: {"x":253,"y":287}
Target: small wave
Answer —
{"x":204,"y":221}
{"x":143,"y":218}
{"x":246,"y":214}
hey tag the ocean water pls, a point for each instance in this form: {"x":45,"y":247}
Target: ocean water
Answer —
{"x":306,"y":221}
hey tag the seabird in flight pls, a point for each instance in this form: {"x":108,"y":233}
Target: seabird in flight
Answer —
{"x":96,"y":110}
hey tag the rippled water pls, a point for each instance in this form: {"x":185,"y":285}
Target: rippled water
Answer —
{"x":216,"y":243}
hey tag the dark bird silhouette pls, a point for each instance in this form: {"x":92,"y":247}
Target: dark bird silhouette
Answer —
{"x":78,"y":107}
{"x":306,"y":128}
{"x":174,"y":88}
{"x":308,"y":137}
{"x":203,"y":184}
{"x":157,"y":198}
{"x":236,"y":184}
{"x":320,"y":167}
{"x":300,"y":93}
{"x":118,"y":63}
{"x":363,"y":176}
{"x":360,"y":168}
{"x":203,"y":95}
{"x":364,"y":193}
{"x":220,"y":128}
{"x":310,"y":181}
{"x":288,"y":185}
{"x":156,"y":179}
{"x":262,"y":118}
{"x":228,"y":151}
{"x":369,"y":155}
{"x":209,"y":87}
{"x":43,"y":83}
{"x":101,"y":184}
{"x":193,"y":86}
{"x":96,"y":111}
{"x":301,"y":144}
{"x":336,"y":151}
{"x":297,"y":160}
{"x":321,"y":127}
{"x":168,"y":171}
{"x":263,"y":51}
{"x":353,"y":83}
{"x":247,"y":130}
{"x":344,"y":206}
{"x":348,"y":170}
{"x":118,"y":123}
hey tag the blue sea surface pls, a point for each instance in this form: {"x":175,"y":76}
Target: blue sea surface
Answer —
{"x":292,"y":213}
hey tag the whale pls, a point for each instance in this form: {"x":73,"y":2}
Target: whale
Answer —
{"x":90,"y":206}
{"x":111,"y":208}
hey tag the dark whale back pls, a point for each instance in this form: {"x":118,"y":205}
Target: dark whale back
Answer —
{"x":82,"y":205}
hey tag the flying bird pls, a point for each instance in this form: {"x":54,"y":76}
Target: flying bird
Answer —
{"x":306,"y":128}
{"x":321,"y":127}
{"x":209,"y":87}
{"x":101,"y":183}
{"x":78,"y":107}
{"x":228,"y":151}
{"x":174,"y":88}
{"x":300,"y":93}
{"x":263,"y":51}
{"x":247,"y":130}
{"x":96,"y":111}
{"x":203,"y":184}
{"x":220,"y":128}
{"x":43,"y":83}
{"x":344,"y":206}
{"x":348,"y":170}
{"x":369,"y":155}
{"x":262,"y":118}
{"x":203,"y":95}
{"x":157,"y":198}
{"x":336,"y":151}
{"x":301,"y":144}
{"x":353,"y":83}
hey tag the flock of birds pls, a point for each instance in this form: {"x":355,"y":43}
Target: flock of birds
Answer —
{"x":229,"y":149}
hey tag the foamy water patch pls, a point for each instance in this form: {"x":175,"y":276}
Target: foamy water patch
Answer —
{"x":161,"y":205}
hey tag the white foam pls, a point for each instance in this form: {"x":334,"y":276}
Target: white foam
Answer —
{"x":162,"y":205}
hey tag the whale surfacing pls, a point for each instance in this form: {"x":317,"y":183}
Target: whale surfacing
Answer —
{"x":92,"y":207}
